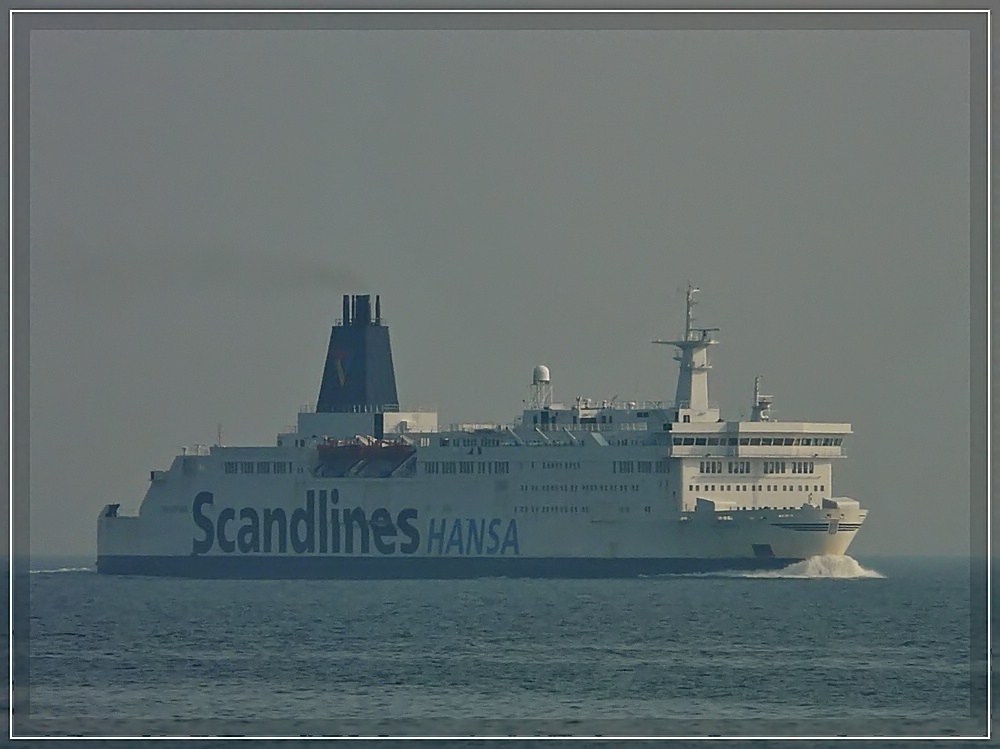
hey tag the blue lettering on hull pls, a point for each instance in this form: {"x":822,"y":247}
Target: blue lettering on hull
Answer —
{"x":321,"y":526}
{"x":316,"y":527}
{"x":458,"y":537}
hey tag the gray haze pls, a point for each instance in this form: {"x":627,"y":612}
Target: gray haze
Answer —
{"x":200,"y":200}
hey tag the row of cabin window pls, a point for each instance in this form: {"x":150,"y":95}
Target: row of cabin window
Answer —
{"x":754,"y":441}
{"x":466,"y":466}
{"x":527,"y":509}
{"x":524,"y":509}
{"x":639,"y":466}
{"x":559,"y":464}
{"x":553,"y":418}
{"x":464,"y":442}
{"x":503,"y":466}
{"x":743,"y":466}
{"x":755,"y":487}
{"x":583,"y":488}
{"x":260,"y":466}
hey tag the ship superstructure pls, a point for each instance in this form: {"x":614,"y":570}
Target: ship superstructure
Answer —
{"x":361,"y":488}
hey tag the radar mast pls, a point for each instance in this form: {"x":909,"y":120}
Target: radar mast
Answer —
{"x":691,"y":398}
{"x":761,"y":403}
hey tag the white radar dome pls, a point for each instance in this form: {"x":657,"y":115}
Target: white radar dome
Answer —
{"x":540,"y":374}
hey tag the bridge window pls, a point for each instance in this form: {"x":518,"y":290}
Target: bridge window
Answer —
{"x":230,"y":466}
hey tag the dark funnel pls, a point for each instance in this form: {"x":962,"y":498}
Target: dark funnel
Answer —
{"x":358,"y":376}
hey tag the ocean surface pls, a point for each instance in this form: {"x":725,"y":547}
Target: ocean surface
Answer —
{"x":828,"y":647}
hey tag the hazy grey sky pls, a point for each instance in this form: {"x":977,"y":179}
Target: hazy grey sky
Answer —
{"x":201,"y":199}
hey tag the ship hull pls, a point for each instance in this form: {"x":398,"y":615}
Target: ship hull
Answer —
{"x":422,"y":568}
{"x":406,"y":529}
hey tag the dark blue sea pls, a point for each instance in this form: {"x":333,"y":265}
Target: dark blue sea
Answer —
{"x":828,"y":647}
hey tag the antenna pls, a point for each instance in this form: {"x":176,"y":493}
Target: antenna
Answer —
{"x":541,"y":387}
{"x":689,"y":309}
{"x":692,"y":381}
{"x":761,"y":403}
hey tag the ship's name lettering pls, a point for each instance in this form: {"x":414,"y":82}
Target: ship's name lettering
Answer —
{"x":323,"y":527}
{"x":472,"y":536}
{"x":330,"y":530}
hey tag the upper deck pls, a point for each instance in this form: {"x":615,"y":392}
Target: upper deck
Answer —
{"x":688,"y":427}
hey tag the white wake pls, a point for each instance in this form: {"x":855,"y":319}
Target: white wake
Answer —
{"x":62,"y":569}
{"x":828,"y":566}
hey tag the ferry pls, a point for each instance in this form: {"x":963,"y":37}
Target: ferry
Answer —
{"x":361,"y":488}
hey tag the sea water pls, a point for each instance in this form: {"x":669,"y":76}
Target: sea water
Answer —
{"x":826,"y":647}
